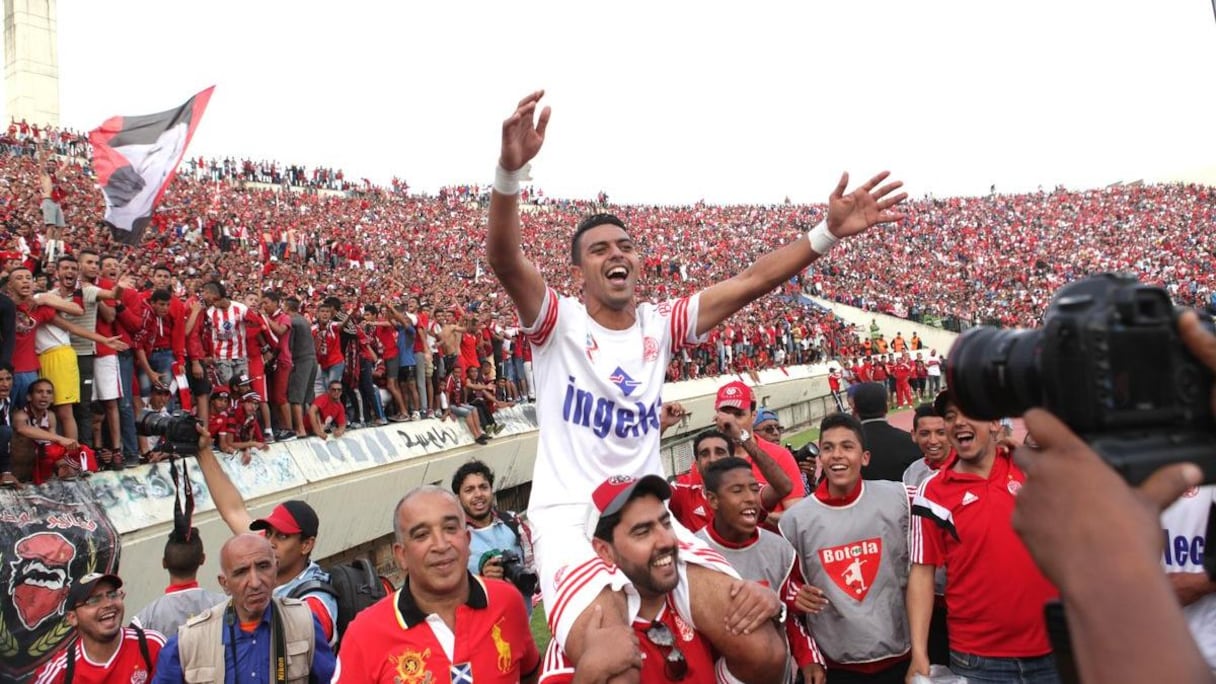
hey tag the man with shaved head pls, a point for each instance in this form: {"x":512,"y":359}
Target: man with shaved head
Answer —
{"x":440,"y":601}
{"x":253,"y":634}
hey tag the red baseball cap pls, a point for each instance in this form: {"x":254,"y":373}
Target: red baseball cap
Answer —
{"x":612,"y":495}
{"x":290,"y":517}
{"x":735,"y":394}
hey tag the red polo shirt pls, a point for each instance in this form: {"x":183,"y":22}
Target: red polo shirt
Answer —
{"x":994,"y":591}
{"x":394,"y":641}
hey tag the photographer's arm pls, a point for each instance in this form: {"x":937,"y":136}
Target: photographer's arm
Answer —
{"x":228,"y":500}
{"x":779,"y":484}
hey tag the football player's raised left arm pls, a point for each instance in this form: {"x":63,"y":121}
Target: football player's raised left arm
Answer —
{"x":847,"y":215}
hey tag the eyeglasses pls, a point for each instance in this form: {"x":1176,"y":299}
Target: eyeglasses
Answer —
{"x":98,"y":599}
{"x":674,"y":664}
{"x":772,"y":429}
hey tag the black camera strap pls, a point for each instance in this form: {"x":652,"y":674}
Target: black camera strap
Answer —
{"x":183,"y":500}
{"x":278,"y":641}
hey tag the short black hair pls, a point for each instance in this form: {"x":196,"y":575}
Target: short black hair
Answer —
{"x":292,"y":303}
{"x":64,"y":259}
{"x":587,"y":224}
{"x":184,"y":554}
{"x":712,"y":433}
{"x":473,"y":467}
{"x":333,"y":303}
{"x":925,"y":410}
{"x":216,"y":288}
{"x":162,"y":267}
{"x":844,"y":420}
{"x":870,"y":400}
{"x":371,"y":309}
{"x":161,"y":295}
{"x":717,"y":471}
{"x":273,"y":295}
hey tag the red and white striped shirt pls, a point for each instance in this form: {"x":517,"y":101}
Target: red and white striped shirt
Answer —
{"x":227,"y":330}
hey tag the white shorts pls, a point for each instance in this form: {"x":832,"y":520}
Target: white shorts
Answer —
{"x":572,"y":575}
{"x":107,"y":384}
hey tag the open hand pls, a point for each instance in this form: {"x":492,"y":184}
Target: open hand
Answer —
{"x":864,"y":207}
{"x":522,"y":137}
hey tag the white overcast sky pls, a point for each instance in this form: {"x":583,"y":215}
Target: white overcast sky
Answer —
{"x":672,"y":102}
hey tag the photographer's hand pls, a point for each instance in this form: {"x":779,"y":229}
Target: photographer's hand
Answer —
{"x":1126,"y":598}
{"x":493,"y":568}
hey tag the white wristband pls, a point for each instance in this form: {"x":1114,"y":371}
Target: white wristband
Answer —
{"x":507,"y":182}
{"x":821,"y":238}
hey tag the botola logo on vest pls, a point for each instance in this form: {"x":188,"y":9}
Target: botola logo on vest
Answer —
{"x":853,"y":566}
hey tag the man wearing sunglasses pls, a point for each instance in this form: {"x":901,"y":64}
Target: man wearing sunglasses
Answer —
{"x":631,"y":532}
{"x":103,"y":650}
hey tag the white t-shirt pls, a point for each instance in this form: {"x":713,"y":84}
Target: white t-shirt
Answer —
{"x":599,"y":393}
{"x":1185,"y":525}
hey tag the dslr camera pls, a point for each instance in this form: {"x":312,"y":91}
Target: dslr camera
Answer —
{"x":513,"y":570}
{"x":178,"y":432}
{"x":804,"y":453}
{"x":1108,"y":361}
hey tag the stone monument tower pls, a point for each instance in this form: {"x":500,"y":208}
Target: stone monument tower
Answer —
{"x":31,"y":61}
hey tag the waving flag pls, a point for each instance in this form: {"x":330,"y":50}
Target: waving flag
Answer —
{"x":135,"y":158}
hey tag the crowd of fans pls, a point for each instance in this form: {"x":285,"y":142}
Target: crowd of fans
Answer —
{"x":396,"y":270}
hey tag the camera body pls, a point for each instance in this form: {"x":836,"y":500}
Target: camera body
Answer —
{"x":1108,"y":361}
{"x":178,"y":432}
{"x":804,"y":453}
{"x":515,"y":572}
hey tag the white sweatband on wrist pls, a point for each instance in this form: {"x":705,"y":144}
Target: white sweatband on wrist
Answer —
{"x":821,"y":238}
{"x":507,"y":182}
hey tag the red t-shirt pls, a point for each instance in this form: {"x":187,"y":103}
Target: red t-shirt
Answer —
{"x":329,"y":347}
{"x":492,"y":641}
{"x":331,"y":411}
{"x":697,"y":651}
{"x":219,"y":422}
{"x":689,"y":506}
{"x":994,"y":591}
{"x":29,"y":317}
{"x":126,"y":665}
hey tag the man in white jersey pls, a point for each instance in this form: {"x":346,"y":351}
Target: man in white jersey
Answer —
{"x":1185,"y":525}
{"x":599,"y":368}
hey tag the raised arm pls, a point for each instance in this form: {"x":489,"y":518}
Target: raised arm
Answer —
{"x":228,"y":501}
{"x":522,"y":138}
{"x":847,"y":215}
{"x":114,"y":342}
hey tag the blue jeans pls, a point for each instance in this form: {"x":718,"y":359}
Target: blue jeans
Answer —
{"x":1041,"y":670}
{"x":126,"y":404}
{"x":161,"y":362}
{"x":21,"y":387}
{"x":325,"y":376}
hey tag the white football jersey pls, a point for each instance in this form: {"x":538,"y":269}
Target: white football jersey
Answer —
{"x":1185,"y":525}
{"x":598,"y":393}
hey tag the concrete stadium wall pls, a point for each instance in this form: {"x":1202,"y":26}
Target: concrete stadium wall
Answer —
{"x":355,"y":482}
{"x":933,"y":338}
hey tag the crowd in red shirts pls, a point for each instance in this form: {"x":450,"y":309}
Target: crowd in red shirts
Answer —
{"x":311,"y":234}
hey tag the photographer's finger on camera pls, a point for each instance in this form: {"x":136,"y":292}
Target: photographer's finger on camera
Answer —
{"x":1167,"y":484}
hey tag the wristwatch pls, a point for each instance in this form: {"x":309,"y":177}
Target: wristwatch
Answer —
{"x":744,"y":435}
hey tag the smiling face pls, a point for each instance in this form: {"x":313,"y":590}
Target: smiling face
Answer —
{"x":101,"y":622}
{"x":842,"y":457}
{"x":736,"y":504}
{"x":432,"y":545}
{"x":973,"y":440}
{"x":930,"y":435}
{"x":644,"y":546}
{"x":608,"y":266}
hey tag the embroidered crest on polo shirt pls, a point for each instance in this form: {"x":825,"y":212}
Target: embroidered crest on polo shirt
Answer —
{"x":411,"y":666}
{"x":969,"y":498}
{"x":853,"y":566}
{"x":1014,"y":487}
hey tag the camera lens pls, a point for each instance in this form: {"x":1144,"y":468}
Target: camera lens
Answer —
{"x":994,"y":373}
{"x":154,"y":424}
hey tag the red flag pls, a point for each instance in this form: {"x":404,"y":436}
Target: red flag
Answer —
{"x":135,"y":158}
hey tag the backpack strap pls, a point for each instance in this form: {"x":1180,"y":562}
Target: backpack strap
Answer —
{"x":311,"y":587}
{"x":70,"y":670}
{"x":143,"y":645}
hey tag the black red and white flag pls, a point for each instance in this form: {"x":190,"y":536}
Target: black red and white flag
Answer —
{"x":135,"y":158}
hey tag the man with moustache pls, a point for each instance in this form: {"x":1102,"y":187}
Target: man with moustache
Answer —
{"x":963,"y":524}
{"x":492,"y":531}
{"x":632,"y":534}
{"x":253,"y":634}
{"x":444,"y":624}
{"x":103,"y":650}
